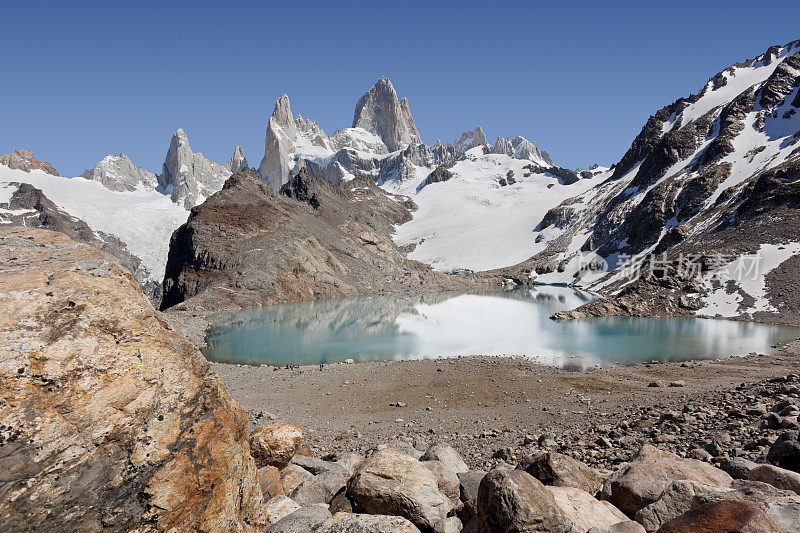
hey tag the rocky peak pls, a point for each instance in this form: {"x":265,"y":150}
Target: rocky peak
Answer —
{"x":237,"y":161}
{"x":378,"y":111}
{"x":278,"y":142}
{"x":521,"y":148}
{"x":118,"y":173}
{"x":23,"y":159}
{"x":189,"y":177}
{"x":282,"y":115}
{"x":470,"y":139}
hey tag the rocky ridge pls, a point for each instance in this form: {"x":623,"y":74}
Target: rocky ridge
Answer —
{"x":711,"y":176}
{"x":23,"y":159}
{"x":321,"y":244}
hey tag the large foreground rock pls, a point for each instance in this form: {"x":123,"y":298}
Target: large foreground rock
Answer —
{"x":785,"y":452}
{"x":511,"y":501}
{"x":396,"y":484}
{"x":109,"y":418}
{"x":651,"y":471}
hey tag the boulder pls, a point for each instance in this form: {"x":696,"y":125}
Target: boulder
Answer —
{"x":558,"y":470}
{"x":448,"y":525}
{"x":275,"y":444}
{"x":651,"y":471}
{"x":318,"y":489}
{"x":785,"y":452}
{"x":470,"y":481}
{"x":110,"y":418}
{"x":777,"y":477}
{"x":364,"y":523}
{"x":349,"y":461}
{"x":269,"y":478}
{"x":737,"y":467}
{"x":292,"y":476}
{"x":512,"y":501}
{"x":722,"y":516}
{"x":449,"y":484}
{"x":627,"y":526}
{"x":681,"y":496}
{"x":341,"y":503}
{"x":447,"y":455}
{"x":584,"y":510}
{"x":392,"y":483}
{"x":303,"y":520}
{"x":280,"y":506}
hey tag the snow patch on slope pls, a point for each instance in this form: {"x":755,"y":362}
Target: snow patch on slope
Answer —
{"x":470,"y":221}
{"x":143,"y":219}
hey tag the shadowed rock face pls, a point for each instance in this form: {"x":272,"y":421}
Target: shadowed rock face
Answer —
{"x":23,"y":159}
{"x":109,"y":418}
{"x":251,"y":245}
{"x":379,"y":112}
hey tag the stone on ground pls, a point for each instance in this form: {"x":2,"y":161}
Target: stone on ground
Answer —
{"x":396,"y":484}
{"x":722,"y":516}
{"x":275,"y":444}
{"x":513,"y":501}
{"x":449,"y":484}
{"x":651,"y":471}
{"x":777,"y":477}
{"x":365,"y":523}
{"x":584,"y":510}
{"x":447,"y":455}
{"x":558,"y":470}
{"x":280,"y":506}
{"x":318,"y":489}
{"x":303,"y":520}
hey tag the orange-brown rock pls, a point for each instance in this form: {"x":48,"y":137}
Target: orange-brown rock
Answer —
{"x":269,"y":478}
{"x":109,"y":418}
{"x":724,"y":516}
{"x":23,"y":159}
{"x":275,"y":444}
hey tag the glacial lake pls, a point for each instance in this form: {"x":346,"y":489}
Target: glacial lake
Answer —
{"x":499,"y":322}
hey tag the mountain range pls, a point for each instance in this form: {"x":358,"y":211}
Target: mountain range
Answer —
{"x":712,"y":177}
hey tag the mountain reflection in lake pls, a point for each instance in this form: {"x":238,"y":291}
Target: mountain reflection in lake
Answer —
{"x":510,"y":322}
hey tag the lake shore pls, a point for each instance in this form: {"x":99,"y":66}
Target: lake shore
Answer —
{"x":487,"y":406}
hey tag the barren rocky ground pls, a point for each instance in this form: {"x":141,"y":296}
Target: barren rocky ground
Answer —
{"x":487,"y":406}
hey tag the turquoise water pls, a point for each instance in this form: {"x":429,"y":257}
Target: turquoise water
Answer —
{"x":514,"y":322}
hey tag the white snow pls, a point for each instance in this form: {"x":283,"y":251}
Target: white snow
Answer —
{"x":143,"y":219}
{"x":6,"y":192}
{"x":748,"y":272}
{"x":470,"y":221}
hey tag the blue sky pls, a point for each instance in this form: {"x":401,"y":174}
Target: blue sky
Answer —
{"x":579,"y":79}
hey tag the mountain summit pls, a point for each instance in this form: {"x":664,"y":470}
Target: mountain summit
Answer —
{"x":378,"y":111}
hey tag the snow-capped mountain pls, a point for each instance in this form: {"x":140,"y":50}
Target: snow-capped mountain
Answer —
{"x":119,"y":200}
{"x":714,"y":174}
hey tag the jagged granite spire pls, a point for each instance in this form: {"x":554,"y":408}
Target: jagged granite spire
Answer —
{"x":379,"y":112}
{"x":521,"y":148}
{"x":281,"y":132}
{"x":237,"y":161}
{"x":189,"y":177}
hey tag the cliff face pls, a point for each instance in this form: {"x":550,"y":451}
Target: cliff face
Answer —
{"x":109,"y":418}
{"x":251,"y":245}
